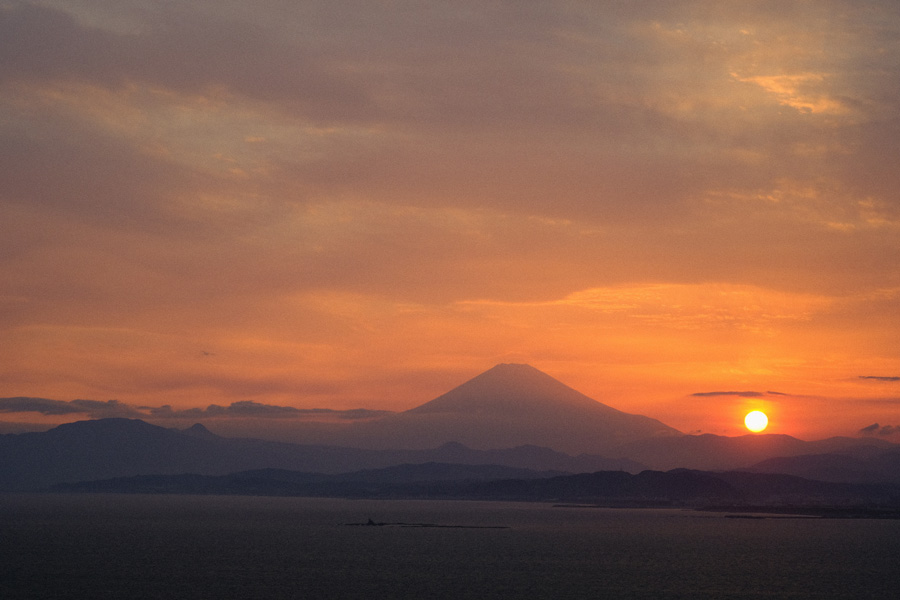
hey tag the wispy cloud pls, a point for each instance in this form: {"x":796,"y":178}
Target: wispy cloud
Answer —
{"x":880,"y":430}
{"x":739,"y":394}
{"x":247,"y":408}
{"x":95,"y":409}
{"x":113,"y":408}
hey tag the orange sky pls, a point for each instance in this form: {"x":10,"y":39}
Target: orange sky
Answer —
{"x":363,"y":204}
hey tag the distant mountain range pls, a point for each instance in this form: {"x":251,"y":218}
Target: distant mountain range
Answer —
{"x":882,"y":466}
{"x":510,"y":417}
{"x":106,"y":448}
{"x":677,"y":488}
{"x":716,"y":452}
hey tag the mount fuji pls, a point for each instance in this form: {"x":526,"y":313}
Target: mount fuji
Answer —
{"x":512,"y":405}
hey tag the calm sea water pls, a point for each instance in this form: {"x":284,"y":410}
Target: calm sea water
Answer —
{"x":111,"y":546}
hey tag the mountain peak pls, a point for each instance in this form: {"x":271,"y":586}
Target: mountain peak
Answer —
{"x":514,"y":367}
{"x":509,"y":389}
{"x":198,"y":430}
{"x":515,"y":404}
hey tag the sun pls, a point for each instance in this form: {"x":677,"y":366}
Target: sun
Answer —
{"x":756,"y":421}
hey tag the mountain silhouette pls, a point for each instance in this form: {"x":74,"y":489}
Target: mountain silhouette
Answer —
{"x":729,"y":491}
{"x":96,"y":449}
{"x":436,"y":480}
{"x":510,"y":390}
{"x":835,"y":467}
{"x":716,"y":452}
{"x":198,"y":430}
{"x":512,"y":405}
{"x":112,"y":448}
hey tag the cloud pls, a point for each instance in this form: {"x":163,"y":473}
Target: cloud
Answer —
{"x":739,"y":394}
{"x":247,"y":408}
{"x":111,"y":408}
{"x":880,"y":430}
{"x":572,"y":117}
{"x":39,"y":405}
{"x":181,"y":50}
{"x":878,"y":378}
{"x":94,"y":409}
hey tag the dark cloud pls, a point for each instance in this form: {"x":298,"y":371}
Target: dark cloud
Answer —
{"x":571,"y":97}
{"x":39,"y":405}
{"x":179,"y":50}
{"x":67,"y":168}
{"x":95,"y":409}
{"x":741,"y":394}
{"x":248,"y":408}
{"x":880,"y":430}
{"x":111,"y":408}
{"x":772,"y":396}
{"x":556,"y":83}
{"x":880,"y":401}
{"x":879,"y":378}
{"x":166,"y":411}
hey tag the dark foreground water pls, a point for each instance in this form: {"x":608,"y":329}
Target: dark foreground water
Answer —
{"x":244,"y":547}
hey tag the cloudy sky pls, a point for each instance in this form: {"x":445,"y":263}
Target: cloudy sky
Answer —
{"x":683,"y":209}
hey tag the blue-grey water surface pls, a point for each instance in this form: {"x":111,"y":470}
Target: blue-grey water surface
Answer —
{"x":122,"y":546}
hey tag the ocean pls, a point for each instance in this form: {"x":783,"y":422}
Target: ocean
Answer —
{"x":136,"y":546}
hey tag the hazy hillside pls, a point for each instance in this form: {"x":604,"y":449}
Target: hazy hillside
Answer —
{"x":107,"y":448}
{"x":679,"y":487}
{"x":714,"y":452}
{"x":881,"y":467}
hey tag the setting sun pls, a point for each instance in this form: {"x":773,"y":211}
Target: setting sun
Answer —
{"x":756,"y":421}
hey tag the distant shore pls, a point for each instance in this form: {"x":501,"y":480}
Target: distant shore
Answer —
{"x":823,"y":512}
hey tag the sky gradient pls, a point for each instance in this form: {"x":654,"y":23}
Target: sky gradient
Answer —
{"x":683,"y":209}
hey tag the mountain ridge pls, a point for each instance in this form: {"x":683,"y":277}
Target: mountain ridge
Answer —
{"x":508,"y":388}
{"x":733,"y":491}
{"x":836,"y":467}
{"x":118,"y":447}
{"x":513,"y":405}
{"x":107,"y":448}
